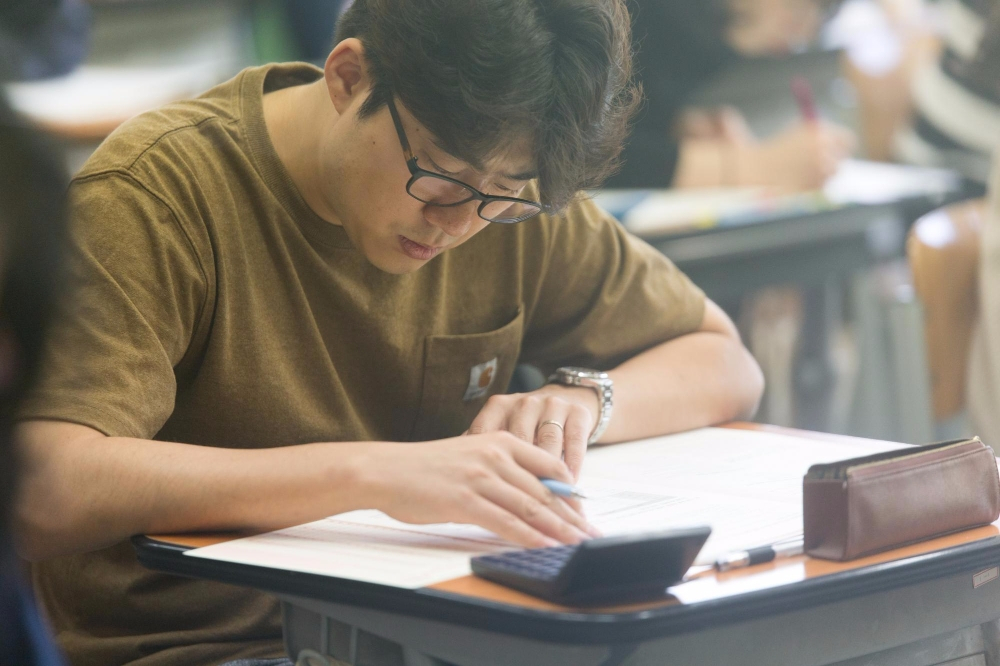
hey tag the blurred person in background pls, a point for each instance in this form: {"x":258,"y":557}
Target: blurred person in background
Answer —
{"x":312,"y":24}
{"x":680,"y":45}
{"x":31,"y":215}
{"x":42,"y":38}
{"x":970,"y":89}
{"x":38,"y":38}
{"x":956,"y":119}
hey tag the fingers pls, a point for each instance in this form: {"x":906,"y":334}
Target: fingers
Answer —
{"x":836,"y":142}
{"x":491,"y":418}
{"x":491,"y":480}
{"x":548,"y":515}
{"x":579,"y":425}
{"x":844,"y":139}
{"x":524,"y":417}
{"x":506,"y":525}
{"x":733,"y":126}
{"x":834,"y":145}
{"x":567,"y":509}
{"x":551,"y":432}
{"x":697,"y":124}
{"x":809,"y":153}
{"x":505,"y":496}
{"x":556,"y":425}
{"x":538,"y":462}
{"x":531,"y":418}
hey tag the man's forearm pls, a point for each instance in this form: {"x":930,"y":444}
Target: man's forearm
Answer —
{"x":695,"y":380}
{"x":83,"y":491}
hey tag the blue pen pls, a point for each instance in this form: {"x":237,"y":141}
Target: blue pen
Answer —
{"x":562,"y":489}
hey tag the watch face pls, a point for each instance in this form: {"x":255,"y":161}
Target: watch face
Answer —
{"x":571,"y":373}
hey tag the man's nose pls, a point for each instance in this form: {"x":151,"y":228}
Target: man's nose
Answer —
{"x":453,"y":220}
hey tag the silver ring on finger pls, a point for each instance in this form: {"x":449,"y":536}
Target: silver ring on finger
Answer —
{"x":551,"y":422}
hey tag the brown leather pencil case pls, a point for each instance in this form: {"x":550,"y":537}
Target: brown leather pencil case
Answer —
{"x":865,"y":505}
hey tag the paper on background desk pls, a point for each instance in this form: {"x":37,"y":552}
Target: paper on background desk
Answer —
{"x":746,"y":484}
{"x":92,"y":94}
{"x":652,"y":212}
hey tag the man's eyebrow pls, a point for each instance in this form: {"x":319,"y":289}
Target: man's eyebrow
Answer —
{"x":475,"y":164}
{"x":478,"y":166}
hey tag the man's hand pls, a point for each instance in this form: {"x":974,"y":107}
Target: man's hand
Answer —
{"x":84,"y":490}
{"x":489,"y":480}
{"x":556,"y":418}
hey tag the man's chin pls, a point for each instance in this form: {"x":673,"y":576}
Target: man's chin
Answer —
{"x":396,"y":265}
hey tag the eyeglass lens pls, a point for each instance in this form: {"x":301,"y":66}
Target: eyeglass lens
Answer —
{"x":446,"y":193}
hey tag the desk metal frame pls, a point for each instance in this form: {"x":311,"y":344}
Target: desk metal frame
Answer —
{"x":815,"y":620}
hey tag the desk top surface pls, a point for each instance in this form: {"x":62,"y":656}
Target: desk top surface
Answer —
{"x":707,"y":598}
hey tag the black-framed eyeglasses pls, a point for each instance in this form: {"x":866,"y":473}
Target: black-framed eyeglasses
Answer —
{"x":439,"y":190}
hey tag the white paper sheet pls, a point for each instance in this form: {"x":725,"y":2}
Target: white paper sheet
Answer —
{"x":649,"y":213}
{"x":747,"y":485}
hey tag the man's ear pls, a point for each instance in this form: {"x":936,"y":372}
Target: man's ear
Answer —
{"x":346,"y":74}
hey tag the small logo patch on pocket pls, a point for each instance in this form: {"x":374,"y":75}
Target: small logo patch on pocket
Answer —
{"x":480,"y":380}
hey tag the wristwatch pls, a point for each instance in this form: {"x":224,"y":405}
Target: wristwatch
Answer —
{"x":600,"y":382}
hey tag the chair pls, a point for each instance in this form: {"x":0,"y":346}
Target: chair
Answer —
{"x":943,"y":251}
{"x":914,"y":323}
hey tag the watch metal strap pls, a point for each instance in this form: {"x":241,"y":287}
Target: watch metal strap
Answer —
{"x":606,"y":395}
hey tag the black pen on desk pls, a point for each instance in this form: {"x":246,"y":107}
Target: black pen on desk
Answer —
{"x":562,"y":489}
{"x":738,"y":559}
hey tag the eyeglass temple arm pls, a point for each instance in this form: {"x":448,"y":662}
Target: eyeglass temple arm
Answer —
{"x":399,"y":130}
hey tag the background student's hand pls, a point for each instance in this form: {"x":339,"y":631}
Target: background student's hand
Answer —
{"x":724,"y":123}
{"x":800,"y":158}
{"x":718,"y":149}
{"x":555,"y":418}
{"x":490,"y":480}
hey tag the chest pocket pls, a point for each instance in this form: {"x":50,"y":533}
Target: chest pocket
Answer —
{"x":460,"y":373}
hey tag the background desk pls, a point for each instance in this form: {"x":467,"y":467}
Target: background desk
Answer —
{"x":916,"y":606}
{"x":831,"y":256}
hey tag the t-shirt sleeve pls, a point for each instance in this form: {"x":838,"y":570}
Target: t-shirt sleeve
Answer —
{"x":605,"y":295}
{"x":135,"y":293}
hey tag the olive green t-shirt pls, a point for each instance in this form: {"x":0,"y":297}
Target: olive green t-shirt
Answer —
{"x":211,"y":305}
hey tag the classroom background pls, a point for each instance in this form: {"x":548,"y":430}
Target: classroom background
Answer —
{"x":857,"y":295}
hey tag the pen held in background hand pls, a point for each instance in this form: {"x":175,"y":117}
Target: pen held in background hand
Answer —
{"x":805,"y":99}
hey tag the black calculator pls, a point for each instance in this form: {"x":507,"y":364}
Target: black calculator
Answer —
{"x":605,"y":570}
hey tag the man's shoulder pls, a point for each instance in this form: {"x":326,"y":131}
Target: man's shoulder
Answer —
{"x":171,"y":127}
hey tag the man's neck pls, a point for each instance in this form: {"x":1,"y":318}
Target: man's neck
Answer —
{"x":293,"y":117}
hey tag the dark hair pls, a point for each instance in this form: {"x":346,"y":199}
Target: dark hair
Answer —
{"x":483,"y":74}
{"x":32,"y":191}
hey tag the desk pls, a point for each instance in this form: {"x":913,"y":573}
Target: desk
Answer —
{"x":916,"y":605}
{"x":829,"y":254}
{"x":143,"y":54}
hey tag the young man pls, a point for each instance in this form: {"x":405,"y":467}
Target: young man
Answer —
{"x":329,"y":259}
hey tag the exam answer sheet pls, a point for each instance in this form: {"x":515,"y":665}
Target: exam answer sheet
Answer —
{"x":746,"y":485}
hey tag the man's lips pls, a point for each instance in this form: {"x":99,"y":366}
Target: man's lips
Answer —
{"x":415,"y":250}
